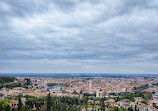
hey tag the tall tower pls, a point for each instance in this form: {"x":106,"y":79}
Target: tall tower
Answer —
{"x":90,"y":84}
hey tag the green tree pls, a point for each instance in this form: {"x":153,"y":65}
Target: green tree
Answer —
{"x":6,"y":107}
{"x":86,"y":107}
{"x":75,"y":92}
{"x":13,"y":109}
{"x":130,"y":109}
{"x":48,"y":102}
{"x":135,"y":108}
{"x":29,"y":103}
{"x":26,"y":108}
{"x":81,"y":91}
{"x":102,"y":105}
{"x":147,"y":95}
{"x":19,"y":103}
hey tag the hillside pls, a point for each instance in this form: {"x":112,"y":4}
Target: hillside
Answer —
{"x":6,"y":79}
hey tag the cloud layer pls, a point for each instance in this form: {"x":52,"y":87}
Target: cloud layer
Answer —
{"x":79,"y":36}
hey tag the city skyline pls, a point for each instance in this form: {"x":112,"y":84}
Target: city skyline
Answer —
{"x":79,"y":36}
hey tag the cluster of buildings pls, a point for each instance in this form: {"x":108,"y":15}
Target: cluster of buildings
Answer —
{"x":124,"y":104}
{"x":78,"y":87}
{"x":102,"y":87}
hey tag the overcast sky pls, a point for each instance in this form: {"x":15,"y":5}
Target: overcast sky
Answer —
{"x":95,"y":36}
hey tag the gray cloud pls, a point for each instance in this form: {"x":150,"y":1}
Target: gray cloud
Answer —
{"x":79,"y":36}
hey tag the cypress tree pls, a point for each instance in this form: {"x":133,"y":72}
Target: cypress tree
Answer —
{"x":135,"y":107}
{"x":13,"y":109}
{"x":48,"y":102}
{"x":102,"y":105}
{"x":19,"y":104}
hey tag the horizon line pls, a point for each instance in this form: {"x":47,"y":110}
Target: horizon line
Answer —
{"x":66,"y":73}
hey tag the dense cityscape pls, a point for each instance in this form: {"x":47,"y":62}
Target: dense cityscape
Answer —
{"x":111,"y":93}
{"x":78,"y":55}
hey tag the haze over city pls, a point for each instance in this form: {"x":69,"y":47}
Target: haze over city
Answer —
{"x":81,"y":36}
